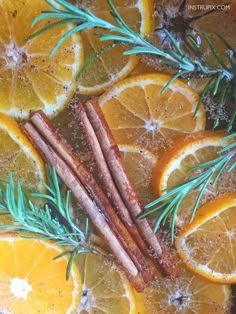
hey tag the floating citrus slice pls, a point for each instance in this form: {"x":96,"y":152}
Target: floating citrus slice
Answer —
{"x":139,"y":163}
{"x":17,"y":155}
{"x":189,"y":293}
{"x":104,"y":288}
{"x":189,"y":151}
{"x":31,"y":281}
{"x":208,"y":245}
{"x":111,"y":65}
{"x":138,"y":113}
{"x":29,"y":78}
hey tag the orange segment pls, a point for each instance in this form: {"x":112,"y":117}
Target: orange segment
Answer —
{"x":208,"y":245}
{"x":104,"y":289}
{"x":139,"y":163}
{"x":29,"y":79}
{"x":138,"y":113}
{"x":18,"y":156}
{"x":31,"y":281}
{"x":111,"y":65}
{"x":189,"y":151}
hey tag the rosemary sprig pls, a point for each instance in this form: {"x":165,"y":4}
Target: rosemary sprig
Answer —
{"x":167,"y":205}
{"x":52,"y":221}
{"x":221,"y":83}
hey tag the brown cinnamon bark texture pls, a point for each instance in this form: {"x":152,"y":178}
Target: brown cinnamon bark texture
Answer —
{"x":106,"y":154}
{"x":68,"y":166}
{"x":107,"y":179}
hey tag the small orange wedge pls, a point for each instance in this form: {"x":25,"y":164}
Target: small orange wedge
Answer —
{"x":17,"y":155}
{"x":139,"y":163}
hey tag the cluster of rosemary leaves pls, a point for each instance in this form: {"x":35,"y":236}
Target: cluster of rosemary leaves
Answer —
{"x":53,"y":220}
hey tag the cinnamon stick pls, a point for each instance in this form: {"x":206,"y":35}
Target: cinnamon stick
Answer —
{"x":119,"y":240}
{"x":107,"y":179}
{"x":123,"y":183}
{"x":48,"y":131}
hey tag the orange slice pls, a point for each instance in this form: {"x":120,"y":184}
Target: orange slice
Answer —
{"x":31,"y":281}
{"x":17,"y":155}
{"x":189,"y":293}
{"x":104,"y":289}
{"x":138,"y":113}
{"x":189,"y":151}
{"x":139,"y":163}
{"x":208,"y":245}
{"x":111,"y":65}
{"x":29,"y":79}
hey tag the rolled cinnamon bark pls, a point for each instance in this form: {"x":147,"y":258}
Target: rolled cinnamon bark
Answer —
{"x":124,"y":184}
{"x":48,"y":131}
{"x":106,"y":178}
{"x":68,"y":166}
